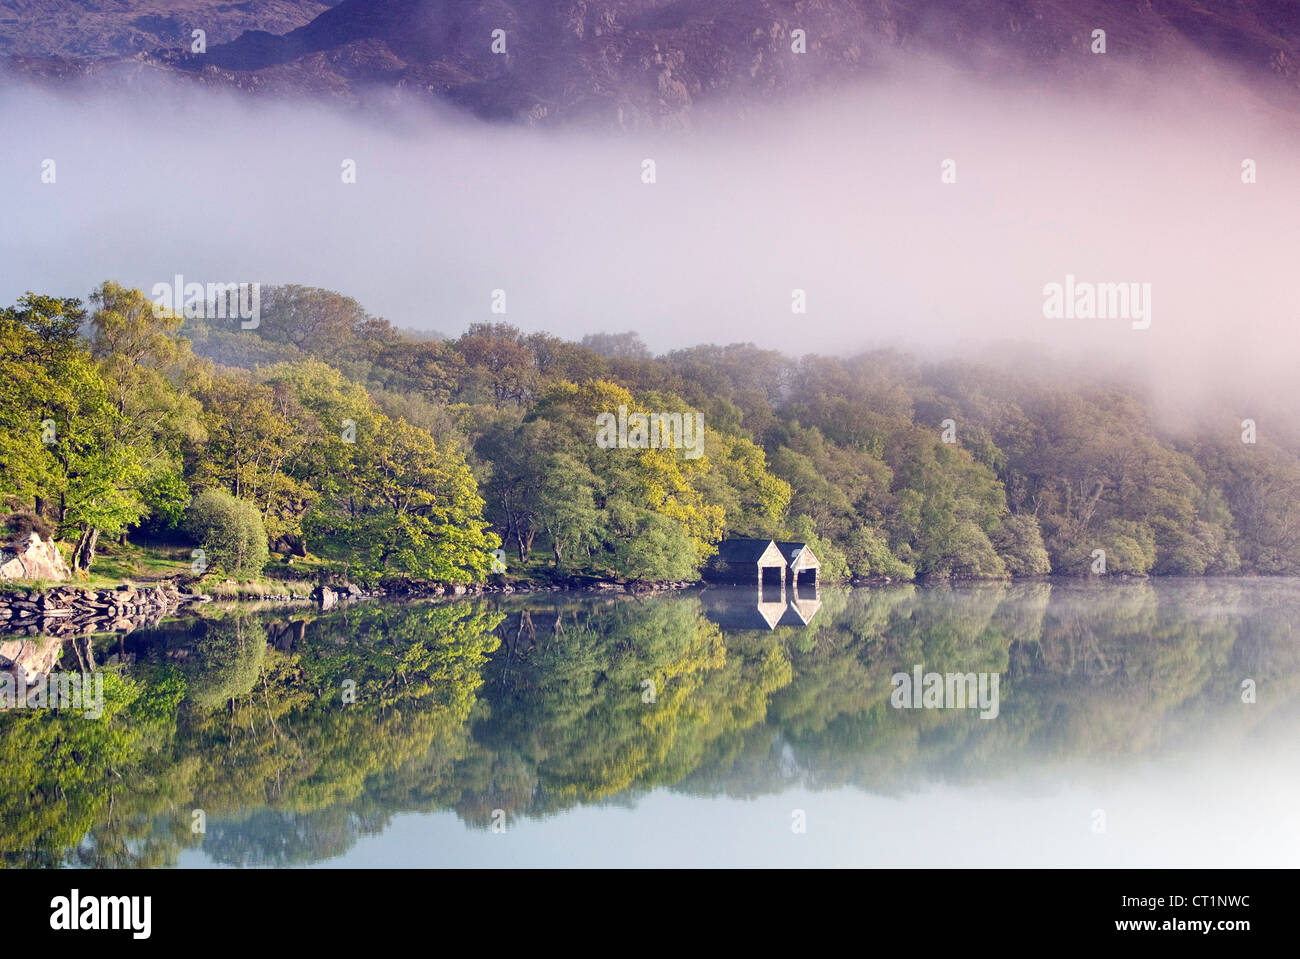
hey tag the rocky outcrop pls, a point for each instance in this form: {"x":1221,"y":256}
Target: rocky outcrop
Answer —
{"x":328,"y":598}
{"x":33,"y":558}
{"x":72,"y":611}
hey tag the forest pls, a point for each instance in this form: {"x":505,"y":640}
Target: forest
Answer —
{"x":381,"y":452}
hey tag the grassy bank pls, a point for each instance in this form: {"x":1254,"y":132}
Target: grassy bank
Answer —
{"x":146,"y":564}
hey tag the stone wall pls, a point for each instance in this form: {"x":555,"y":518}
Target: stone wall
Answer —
{"x":70,"y":611}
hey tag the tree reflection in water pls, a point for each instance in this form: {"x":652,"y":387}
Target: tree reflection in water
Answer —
{"x":533,"y":706}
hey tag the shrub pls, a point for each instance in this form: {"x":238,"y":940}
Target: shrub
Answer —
{"x":1020,"y":544}
{"x":18,"y":524}
{"x":869,"y":555}
{"x":230,"y":531}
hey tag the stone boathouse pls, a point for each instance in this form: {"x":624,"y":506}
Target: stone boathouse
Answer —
{"x":765,"y":562}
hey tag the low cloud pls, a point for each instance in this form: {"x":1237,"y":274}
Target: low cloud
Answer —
{"x":840,"y":197}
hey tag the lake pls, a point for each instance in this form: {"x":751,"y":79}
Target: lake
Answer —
{"x":1121,"y":723}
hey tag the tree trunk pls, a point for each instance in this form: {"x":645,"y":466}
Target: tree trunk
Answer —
{"x":524,"y":542}
{"x":84,"y":553}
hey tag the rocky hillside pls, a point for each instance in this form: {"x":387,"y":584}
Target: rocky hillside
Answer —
{"x":630,"y":61}
{"x":62,"y":28}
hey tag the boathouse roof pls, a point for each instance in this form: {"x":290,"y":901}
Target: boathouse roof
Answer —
{"x":799,"y":556}
{"x":757,"y":552}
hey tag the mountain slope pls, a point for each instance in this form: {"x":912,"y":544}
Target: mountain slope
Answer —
{"x":655,"y":61}
{"x":59,"y":28}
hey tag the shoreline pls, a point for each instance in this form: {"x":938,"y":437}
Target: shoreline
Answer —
{"x":64,"y":610}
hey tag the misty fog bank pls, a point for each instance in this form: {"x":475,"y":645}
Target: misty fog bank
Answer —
{"x":842,"y":199}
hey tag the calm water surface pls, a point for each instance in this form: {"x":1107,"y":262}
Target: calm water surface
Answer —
{"x":684,"y":729}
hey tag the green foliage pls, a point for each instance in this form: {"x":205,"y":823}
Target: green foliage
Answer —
{"x":390,"y":499}
{"x":866,"y":551}
{"x":41,"y":368}
{"x":639,"y":514}
{"x":230,"y":531}
{"x":389,"y":454}
{"x":1130,"y":547}
{"x":1020,"y":544}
